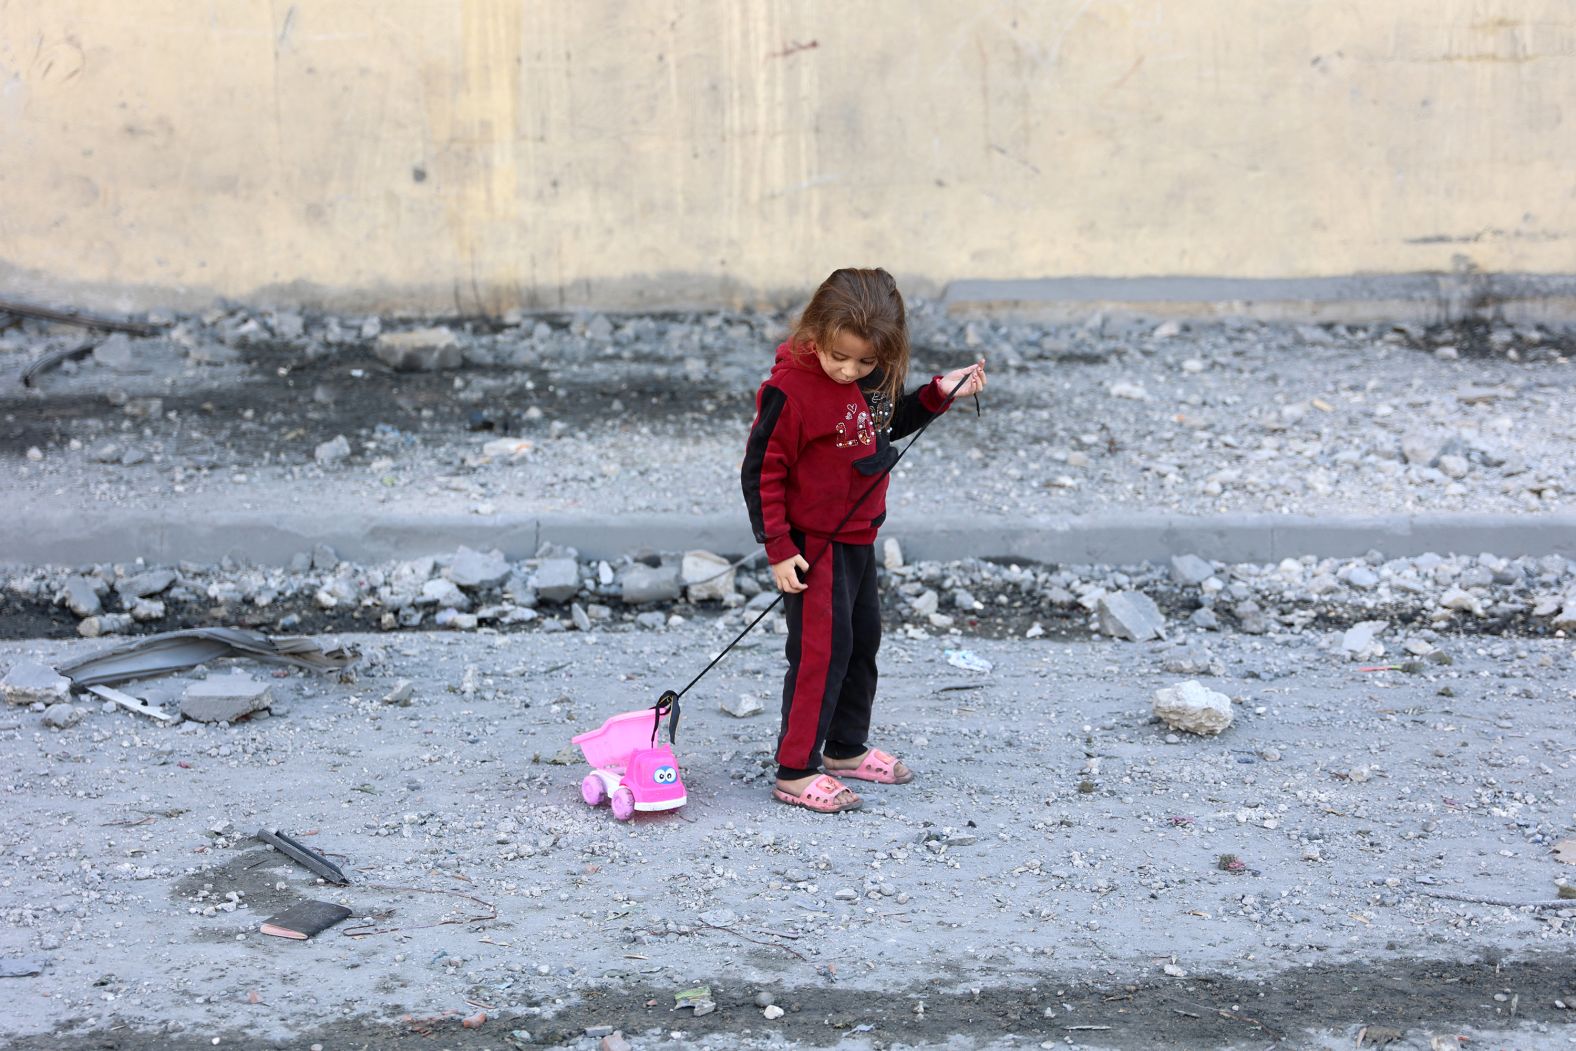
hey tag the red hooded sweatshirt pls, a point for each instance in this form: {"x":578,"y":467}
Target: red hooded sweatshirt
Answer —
{"x":815,"y":447}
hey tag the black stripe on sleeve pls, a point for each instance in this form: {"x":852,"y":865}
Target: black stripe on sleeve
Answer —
{"x":772,"y":402}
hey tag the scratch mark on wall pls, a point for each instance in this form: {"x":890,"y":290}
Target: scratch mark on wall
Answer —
{"x":284,"y":30}
{"x":794,"y":48}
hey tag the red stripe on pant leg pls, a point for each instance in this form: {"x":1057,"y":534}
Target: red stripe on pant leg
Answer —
{"x":815,"y":655}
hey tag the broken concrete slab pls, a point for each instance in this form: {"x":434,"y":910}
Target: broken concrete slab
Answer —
{"x":420,"y":350}
{"x":444,"y":593}
{"x":225,"y":698}
{"x":470,"y":568}
{"x":29,"y":682}
{"x":1193,"y":707}
{"x":558,"y":579}
{"x":1131,"y":615}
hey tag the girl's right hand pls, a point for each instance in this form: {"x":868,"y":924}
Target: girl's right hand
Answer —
{"x":786,"y":576}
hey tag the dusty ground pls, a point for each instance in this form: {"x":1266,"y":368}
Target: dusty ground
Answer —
{"x":1058,"y":852}
{"x":1258,"y":418}
{"x":1053,"y":878}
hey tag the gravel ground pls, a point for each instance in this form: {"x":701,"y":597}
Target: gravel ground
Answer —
{"x":1062,"y":860}
{"x":1066,"y":871}
{"x":230,"y":411}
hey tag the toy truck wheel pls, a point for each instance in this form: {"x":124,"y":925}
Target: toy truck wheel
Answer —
{"x":623,"y":804}
{"x":593,"y":791}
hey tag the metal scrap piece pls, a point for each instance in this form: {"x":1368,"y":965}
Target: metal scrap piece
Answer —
{"x":173,"y":651}
{"x":302,"y":854}
{"x":45,"y":362}
{"x":136,"y":704}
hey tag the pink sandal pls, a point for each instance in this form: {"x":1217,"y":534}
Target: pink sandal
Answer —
{"x":880,"y":767}
{"x":819,"y":795}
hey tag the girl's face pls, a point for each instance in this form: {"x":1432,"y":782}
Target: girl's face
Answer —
{"x":848,"y":360}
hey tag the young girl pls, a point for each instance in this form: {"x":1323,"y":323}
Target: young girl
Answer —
{"x":824,"y":424}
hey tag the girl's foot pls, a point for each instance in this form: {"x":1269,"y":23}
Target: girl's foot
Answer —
{"x":818,"y":792}
{"x":874,"y":765}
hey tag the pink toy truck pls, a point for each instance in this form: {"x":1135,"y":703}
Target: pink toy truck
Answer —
{"x":628,"y":769}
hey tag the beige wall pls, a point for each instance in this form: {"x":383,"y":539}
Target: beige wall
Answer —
{"x":443,"y":154}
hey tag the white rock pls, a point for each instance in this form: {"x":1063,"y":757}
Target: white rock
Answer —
{"x":1360,"y":639}
{"x":891,"y":554}
{"x":743,"y":707}
{"x":332,"y":451}
{"x":707,"y":576}
{"x":1460,"y":599}
{"x":1129,"y":391}
{"x":1193,"y":707}
{"x":1131,"y":615}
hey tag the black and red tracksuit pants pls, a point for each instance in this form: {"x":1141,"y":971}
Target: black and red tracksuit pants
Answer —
{"x":834,"y":631}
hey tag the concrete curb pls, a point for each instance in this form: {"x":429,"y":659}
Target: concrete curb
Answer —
{"x":42,"y":537}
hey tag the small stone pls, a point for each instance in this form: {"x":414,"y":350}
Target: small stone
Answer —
{"x":420,"y":350}
{"x":1190,"y":569}
{"x":1360,"y":639}
{"x":1454,"y":466}
{"x":772,"y":1012}
{"x":891,"y":554}
{"x":1457,"y":598}
{"x":332,"y":451}
{"x":1362,"y":578}
{"x":1128,"y":391}
{"x":400,"y":694}
{"x":615,"y":1041}
{"x":742,"y":707}
{"x":765,"y":998}
{"x":581,"y":618}
{"x":926,"y":603}
{"x":104,"y":624}
{"x":652,"y":621}
{"x":1193,"y":707}
{"x":61,"y":716}
{"x":80,"y":595}
{"x":146,"y":609}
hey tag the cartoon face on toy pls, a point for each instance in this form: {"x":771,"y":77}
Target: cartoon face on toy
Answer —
{"x":653,"y":776}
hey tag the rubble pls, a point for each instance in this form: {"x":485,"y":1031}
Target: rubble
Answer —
{"x":1193,"y":707}
{"x":1131,"y":615}
{"x":225,"y":698}
{"x":557,"y":579}
{"x":29,"y":682}
{"x":707,"y":577}
{"x":420,"y":350}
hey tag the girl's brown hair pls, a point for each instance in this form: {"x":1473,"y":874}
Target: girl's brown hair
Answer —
{"x":863,"y":303}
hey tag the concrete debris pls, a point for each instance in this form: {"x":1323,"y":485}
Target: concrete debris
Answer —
{"x":444,"y":593}
{"x":60,"y":716}
{"x":891,"y":554}
{"x":225,"y":698}
{"x":144,"y":585}
{"x":743,"y":706}
{"x":104,"y":624}
{"x":332,"y":451}
{"x":1131,"y":615}
{"x":1190,"y":570}
{"x":558,"y":579}
{"x":707,"y":577}
{"x":420,"y":350}
{"x":1193,"y":707}
{"x":470,"y":569}
{"x":641,"y":583}
{"x":1361,"y":639}
{"x":400,"y":694}
{"x":81,"y":596}
{"x":28,"y":682}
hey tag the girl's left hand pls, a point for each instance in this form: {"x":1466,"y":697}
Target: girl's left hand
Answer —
{"x":975,"y":384}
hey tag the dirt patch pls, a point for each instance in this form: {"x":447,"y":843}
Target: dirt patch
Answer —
{"x":1197,"y":1011}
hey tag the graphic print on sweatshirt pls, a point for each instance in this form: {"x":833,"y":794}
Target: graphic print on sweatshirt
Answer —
{"x":856,"y":428}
